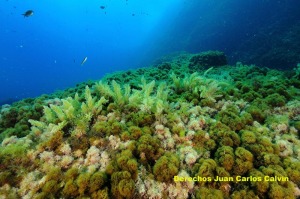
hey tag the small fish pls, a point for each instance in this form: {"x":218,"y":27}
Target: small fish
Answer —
{"x":83,"y":61}
{"x":28,"y":13}
{"x":102,"y":7}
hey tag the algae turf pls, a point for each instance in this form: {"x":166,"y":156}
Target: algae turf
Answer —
{"x":132,"y":134}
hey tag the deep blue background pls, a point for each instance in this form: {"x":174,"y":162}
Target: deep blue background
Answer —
{"x":261,"y":32}
{"x":42,"y":53}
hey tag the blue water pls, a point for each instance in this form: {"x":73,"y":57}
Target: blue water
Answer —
{"x":42,"y":53}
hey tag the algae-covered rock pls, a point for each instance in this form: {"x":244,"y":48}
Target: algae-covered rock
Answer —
{"x":122,"y":185}
{"x":207,"y":59}
{"x":206,"y":193}
{"x":166,"y":167}
{"x":130,"y":134}
{"x":149,"y":149}
{"x":243,"y":161}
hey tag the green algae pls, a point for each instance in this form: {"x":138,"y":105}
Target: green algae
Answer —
{"x":238,"y":120}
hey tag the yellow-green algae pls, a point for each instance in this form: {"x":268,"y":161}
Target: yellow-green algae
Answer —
{"x":128,"y":135}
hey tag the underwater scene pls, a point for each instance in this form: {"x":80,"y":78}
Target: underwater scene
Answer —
{"x":151,"y":99}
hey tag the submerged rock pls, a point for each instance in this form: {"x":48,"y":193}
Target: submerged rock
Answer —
{"x":208,"y":59}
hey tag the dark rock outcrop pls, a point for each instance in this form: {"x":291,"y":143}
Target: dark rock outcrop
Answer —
{"x":208,"y":59}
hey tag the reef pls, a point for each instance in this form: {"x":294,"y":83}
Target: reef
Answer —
{"x":165,"y":131}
